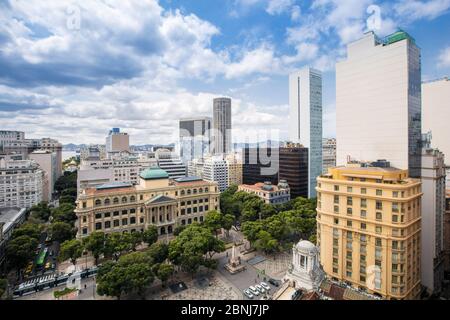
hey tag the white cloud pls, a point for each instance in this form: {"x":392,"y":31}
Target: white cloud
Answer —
{"x":296,"y":13}
{"x":413,"y":9}
{"x":278,"y":6}
{"x":444,"y":58}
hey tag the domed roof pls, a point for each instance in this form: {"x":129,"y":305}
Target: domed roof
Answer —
{"x":154,"y":173}
{"x":305,"y":246}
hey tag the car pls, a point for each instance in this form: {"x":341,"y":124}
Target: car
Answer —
{"x":53,"y":266}
{"x":254,"y":291}
{"x":274,"y":282}
{"x":265,"y":285}
{"x":248,"y":294}
{"x":260,"y":289}
{"x":47,"y":266}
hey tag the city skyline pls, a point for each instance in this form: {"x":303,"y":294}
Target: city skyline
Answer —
{"x":60,"y":80}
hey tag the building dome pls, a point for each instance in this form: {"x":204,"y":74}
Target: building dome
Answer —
{"x":306,"y":246}
{"x":154,"y":173}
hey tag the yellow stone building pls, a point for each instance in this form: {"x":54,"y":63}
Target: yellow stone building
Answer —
{"x":156,"y":200}
{"x":368,"y":229}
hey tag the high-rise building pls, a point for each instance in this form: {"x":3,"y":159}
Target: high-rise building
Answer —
{"x":117,"y":142}
{"x":10,"y":137}
{"x":234,"y":168}
{"x":215,"y":170}
{"x":433,"y":211}
{"x":378,"y":102}
{"x":195,"y":137}
{"x":171,"y":163}
{"x":222,"y":125}
{"x":446,"y":230}
{"x":93,"y":152}
{"x":155,"y":201}
{"x":260,"y":165}
{"x":305,"y":118}
{"x":436,"y":115}
{"x":48,"y":162}
{"x":52,"y":145}
{"x":22,"y":184}
{"x":293,"y":162}
{"x":328,"y":154}
{"x":369,"y":228}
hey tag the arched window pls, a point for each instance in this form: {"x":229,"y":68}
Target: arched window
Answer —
{"x":132,"y":199}
{"x":201,"y":218}
{"x":200,"y":190}
{"x":116,"y":200}
{"x":163,"y":230}
{"x":182,"y":192}
{"x":124,"y":200}
{"x":169,"y":229}
{"x":189,"y":221}
{"x":98,"y":202}
{"x":107,"y":202}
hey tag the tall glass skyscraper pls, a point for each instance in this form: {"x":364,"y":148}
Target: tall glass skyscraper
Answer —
{"x":195,"y":136}
{"x":305,"y":127}
{"x":378,"y":102}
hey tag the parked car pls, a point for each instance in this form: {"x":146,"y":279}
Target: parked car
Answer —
{"x":254,"y":291}
{"x":260,"y":289}
{"x":248,"y":294}
{"x":274,"y":282}
{"x":265,"y":286}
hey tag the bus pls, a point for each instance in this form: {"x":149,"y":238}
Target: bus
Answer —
{"x":41,"y":258}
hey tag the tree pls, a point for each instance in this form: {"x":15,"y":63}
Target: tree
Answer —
{"x":165,"y":271}
{"x":132,"y":272}
{"x":158,"y":252}
{"x":227,"y":222}
{"x":116,"y":244}
{"x":68,"y":180}
{"x":64,"y":213}
{"x":95,"y":243}
{"x":40,"y":211}
{"x":150,"y":235}
{"x":3,"y":287}
{"x":67,"y":199}
{"x":61,"y":231}
{"x":28,"y":229}
{"x":190,"y":248}
{"x":71,"y":249}
{"x":133,"y":239}
{"x":20,"y":250}
{"x":213,"y":221}
{"x":178,"y":230}
{"x":266,"y":242}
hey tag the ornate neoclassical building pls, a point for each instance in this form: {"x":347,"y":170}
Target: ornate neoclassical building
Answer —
{"x":156,"y":200}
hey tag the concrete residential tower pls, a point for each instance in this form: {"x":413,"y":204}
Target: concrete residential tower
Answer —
{"x":222,"y":125}
{"x":305,"y":99}
{"x":378,"y":102}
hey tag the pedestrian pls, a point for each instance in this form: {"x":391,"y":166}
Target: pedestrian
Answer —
{"x":85,"y":286}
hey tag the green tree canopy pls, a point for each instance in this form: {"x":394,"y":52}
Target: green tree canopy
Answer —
{"x":61,"y":231}
{"x":150,"y":235}
{"x":71,"y":249}
{"x":20,"y":250}
{"x":31,"y":230}
{"x":96,"y":243}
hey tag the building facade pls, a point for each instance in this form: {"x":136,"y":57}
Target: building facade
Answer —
{"x":48,"y":162}
{"x":305,"y":117}
{"x":436,"y":114}
{"x":195,"y":138}
{"x":117,"y":142}
{"x":446,"y":229}
{"x":433,"y":211}
{"x":369,"y":229}
{"x":171,"y":163}
{"x":378,"y":102}
{"x":260,"y":164}
{"x":222,"y":125}
{"x":328,"y":154}
{"x":293,"y":163}
{"x":234,"y":168}
{"x":270,"y":194}
{"x":156,"y":200}
{"x":22,"y":184}
{"x":10,"y":219}
{"x":96,"y":172}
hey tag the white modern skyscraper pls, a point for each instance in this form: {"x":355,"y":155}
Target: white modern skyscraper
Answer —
{"x":305,"y":127}
{"x":378,"y":102}
{"x":195,"y":137}
{"x":222,"y":125}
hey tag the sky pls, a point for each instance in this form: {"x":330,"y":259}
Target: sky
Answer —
{"x":71,"y":70}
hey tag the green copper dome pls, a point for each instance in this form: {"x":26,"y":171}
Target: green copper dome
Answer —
{"x":154,"y":173}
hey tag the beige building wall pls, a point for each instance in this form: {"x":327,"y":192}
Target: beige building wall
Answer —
{"x":436,"y":114}
{"x":368,"y":229}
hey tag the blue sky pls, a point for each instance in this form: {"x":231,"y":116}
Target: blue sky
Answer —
{"x":73,"y":69}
